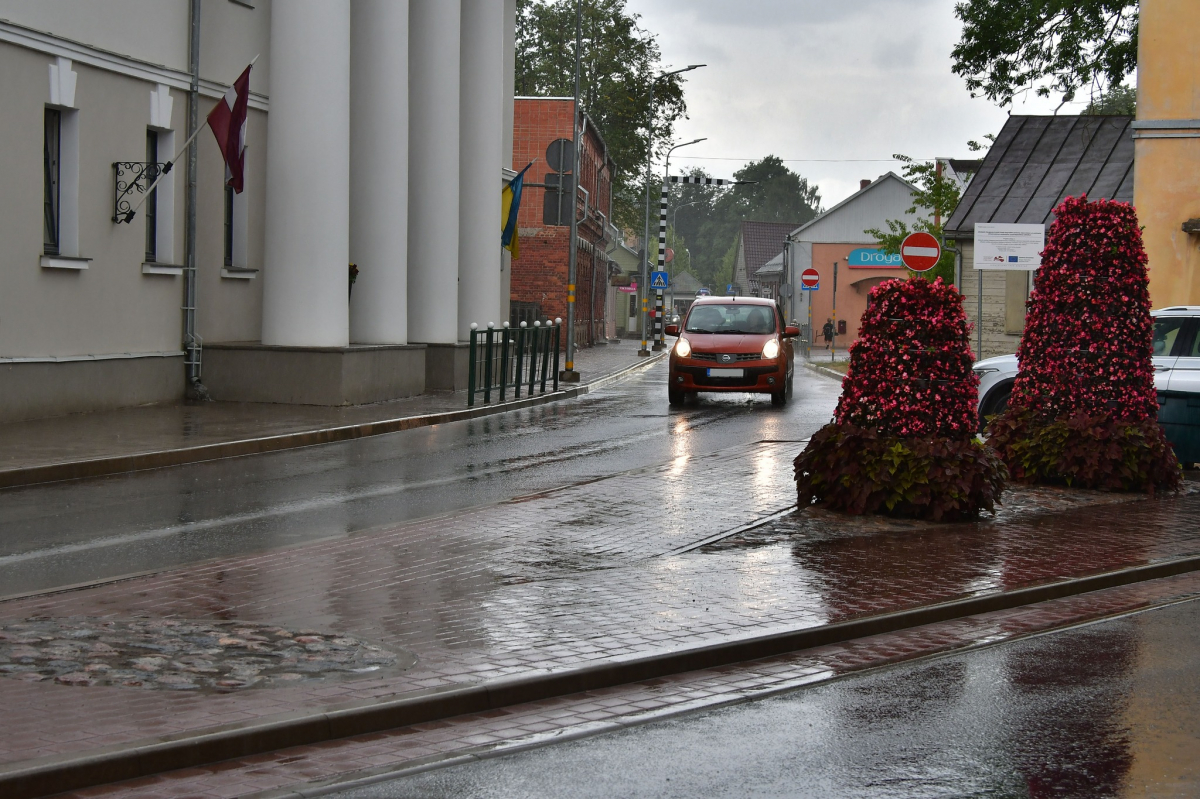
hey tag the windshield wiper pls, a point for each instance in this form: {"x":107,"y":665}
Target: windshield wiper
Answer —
{"x":699,"y":330}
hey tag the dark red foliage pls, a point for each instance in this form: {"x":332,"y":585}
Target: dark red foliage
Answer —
{"x":1088,"y":336}
{"x":910,"y":370}
{"x":1083,"y":407}
{"x":859,"y":471}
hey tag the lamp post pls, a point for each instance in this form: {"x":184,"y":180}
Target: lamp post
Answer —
{"x":569,"y":374}
{"x":644,"y":279}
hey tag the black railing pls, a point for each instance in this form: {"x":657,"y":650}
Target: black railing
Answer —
{"x":517,"y":359}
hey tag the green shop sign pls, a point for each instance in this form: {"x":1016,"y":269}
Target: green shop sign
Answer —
{"x":873,"y":258}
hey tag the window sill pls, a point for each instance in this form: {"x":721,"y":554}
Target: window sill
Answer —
{"x":64,"y":262}
{"x":149,"y":268}
{"x":238,"y":273}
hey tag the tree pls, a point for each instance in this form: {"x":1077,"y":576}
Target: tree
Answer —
{"x":619,"y":60}
{"x":936,"y":196}
{"x":1051,"y":46}
{"x":709,"y":217}
{"x":1120,"y":100}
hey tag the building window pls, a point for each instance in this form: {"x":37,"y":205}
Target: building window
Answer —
{"x":151,"y":201}
{"x":229,"y":225}
{"x":51,"y":165}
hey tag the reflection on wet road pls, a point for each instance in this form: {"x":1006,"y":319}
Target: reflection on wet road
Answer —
{"x":81,"y":531}
{"x":1104,"y":710}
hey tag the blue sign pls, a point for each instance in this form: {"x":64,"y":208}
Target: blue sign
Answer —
{"x":812,"y":288}
{"x":729,"y":290}
{"x":865,"y":257}
{"x":659,"y":280}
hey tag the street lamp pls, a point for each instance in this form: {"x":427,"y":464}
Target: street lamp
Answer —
{"x":645,"y":276}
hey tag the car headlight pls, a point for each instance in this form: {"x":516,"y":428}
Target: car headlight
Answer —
{"x":683,"y":348}
{"x":984,"y":370}
{"x":771,"y":349}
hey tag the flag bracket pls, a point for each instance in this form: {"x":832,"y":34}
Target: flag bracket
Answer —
{"x":133,"y":176}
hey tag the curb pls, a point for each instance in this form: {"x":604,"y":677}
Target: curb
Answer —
{"x":120,"y":464}
{"x":152,"y":756}
{"x":825,"y":371}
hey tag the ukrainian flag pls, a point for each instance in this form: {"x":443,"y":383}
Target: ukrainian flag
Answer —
{"x":510,"y":203}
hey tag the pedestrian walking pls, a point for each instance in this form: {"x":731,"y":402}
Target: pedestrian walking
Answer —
{"x":827,"y":332}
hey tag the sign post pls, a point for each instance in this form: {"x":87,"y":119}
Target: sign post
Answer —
{"x":920,"y":251}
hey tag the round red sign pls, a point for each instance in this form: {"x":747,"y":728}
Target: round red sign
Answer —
{"x":920,"y":251}
{"x":810,"y":277}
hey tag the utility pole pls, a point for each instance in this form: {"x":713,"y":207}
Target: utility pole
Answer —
{"x":833,"y":348}
{"x":570,"y":375}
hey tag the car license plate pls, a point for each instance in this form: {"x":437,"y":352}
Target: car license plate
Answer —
{"x":726,"y":372}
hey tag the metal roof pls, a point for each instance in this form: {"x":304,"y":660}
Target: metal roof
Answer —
{"x":1037,"y":161}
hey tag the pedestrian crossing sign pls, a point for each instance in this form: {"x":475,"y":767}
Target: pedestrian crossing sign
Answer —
{"x":658,"y":280}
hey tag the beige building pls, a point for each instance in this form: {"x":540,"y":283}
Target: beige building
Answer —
{"x":356,"y":106}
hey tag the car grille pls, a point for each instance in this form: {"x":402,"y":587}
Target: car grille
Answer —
{"x":741,"y":356}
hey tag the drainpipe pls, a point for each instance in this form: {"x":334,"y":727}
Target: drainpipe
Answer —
{"x":192,"y":344}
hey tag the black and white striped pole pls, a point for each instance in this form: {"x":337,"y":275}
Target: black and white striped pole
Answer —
{"x":662,"y":228}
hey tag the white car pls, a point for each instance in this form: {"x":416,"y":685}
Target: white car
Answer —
{"x":1176,"y":361}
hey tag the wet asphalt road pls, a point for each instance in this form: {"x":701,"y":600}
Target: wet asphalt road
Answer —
{"x":81,"y":531}
{"x":1105,"y":710}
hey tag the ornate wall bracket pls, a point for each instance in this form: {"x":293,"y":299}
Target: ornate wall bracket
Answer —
{"x":133,"y":176}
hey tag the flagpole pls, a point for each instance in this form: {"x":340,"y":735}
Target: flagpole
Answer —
{"x":171,"y":164}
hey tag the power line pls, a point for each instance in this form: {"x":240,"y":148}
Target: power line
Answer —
{"x":798,"y":160}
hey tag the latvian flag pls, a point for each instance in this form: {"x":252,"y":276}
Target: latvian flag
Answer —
{"x":228,"y":123}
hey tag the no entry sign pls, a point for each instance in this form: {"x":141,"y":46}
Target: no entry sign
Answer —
{"x":920,"y":251}
{"x":810,"y":279}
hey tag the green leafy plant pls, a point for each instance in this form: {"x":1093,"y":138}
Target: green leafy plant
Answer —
{"x":858,"y":471}
{"x":1099,"y":451}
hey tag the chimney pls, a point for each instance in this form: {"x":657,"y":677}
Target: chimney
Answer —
{"x":862,"y":184}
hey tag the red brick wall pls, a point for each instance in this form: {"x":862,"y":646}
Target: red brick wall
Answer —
{"x":539,"y":274}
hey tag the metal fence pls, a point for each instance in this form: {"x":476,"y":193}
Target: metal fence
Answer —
{"x":513,"y":359}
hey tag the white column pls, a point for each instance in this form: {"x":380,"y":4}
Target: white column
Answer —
{"x":510,"y":76}
{"x":480,"y":146}
{"x":433,"y":170}
{"x":379,"y":170}
{"x":308,"y":176}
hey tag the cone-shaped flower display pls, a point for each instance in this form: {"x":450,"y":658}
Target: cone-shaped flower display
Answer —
{"x":1084,"y":409}
{"x":903,"y":437}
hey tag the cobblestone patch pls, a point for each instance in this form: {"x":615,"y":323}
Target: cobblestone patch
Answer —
{"x":183,"y":655}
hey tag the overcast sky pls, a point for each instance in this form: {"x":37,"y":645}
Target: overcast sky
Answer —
{"x":821,"y":83}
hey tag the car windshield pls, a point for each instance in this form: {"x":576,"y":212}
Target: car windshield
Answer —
{"x":731,"y":318}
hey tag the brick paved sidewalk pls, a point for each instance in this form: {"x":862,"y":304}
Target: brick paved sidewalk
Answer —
{"x":583,"y":575}
{"x":365,"y":759}
{"x":131,"y":432}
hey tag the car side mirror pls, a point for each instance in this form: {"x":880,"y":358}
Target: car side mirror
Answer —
{"x":791,"y":331}
{"x":672,"y":330}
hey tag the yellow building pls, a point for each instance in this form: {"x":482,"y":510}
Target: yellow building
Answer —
{"x":1167,"y":139}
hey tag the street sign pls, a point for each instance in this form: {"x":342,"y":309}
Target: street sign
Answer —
{"x":920,"y":251}
{"x":659,"y":280}
{"x":1009,"y":247}
{"x":729,"y":290}
{"x":810,"y":279}
{"x":670,"y":255}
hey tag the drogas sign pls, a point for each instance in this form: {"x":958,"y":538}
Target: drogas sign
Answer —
{"x":872,"y":258}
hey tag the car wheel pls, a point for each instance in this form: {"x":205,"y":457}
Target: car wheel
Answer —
{"x":789,"y":386}
{"x":997,"y":404}
{"x":675,"y":396}
{"x":779,"y":398}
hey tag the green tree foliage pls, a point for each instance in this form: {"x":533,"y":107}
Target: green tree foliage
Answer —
{"x":1120,"y":100}
{"x":935,"y":198}
{"x":709,"y":217}
{"x":1051,"y":46}
{"x":619,"y":60}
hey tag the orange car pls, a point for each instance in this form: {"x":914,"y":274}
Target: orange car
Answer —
{"x":732,"y":344}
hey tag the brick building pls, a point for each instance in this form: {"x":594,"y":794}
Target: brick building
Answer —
{"x":539,"y":273}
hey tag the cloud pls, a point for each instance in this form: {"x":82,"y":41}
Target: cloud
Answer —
{"x":820,"y":80}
